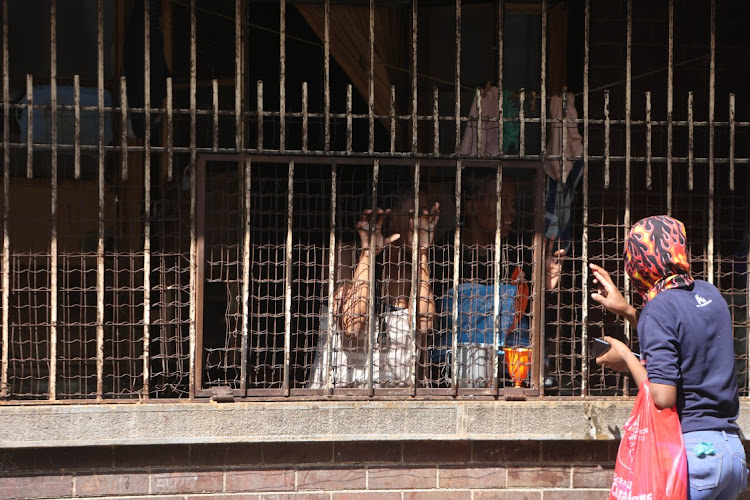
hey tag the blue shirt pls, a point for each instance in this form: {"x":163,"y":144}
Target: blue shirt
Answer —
{"x":686,"y":340}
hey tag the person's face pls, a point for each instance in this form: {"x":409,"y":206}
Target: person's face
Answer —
{"x":485,"y":208}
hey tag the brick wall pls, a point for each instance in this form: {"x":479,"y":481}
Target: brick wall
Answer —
{"x":451,"y":470}
{"x":311,"y":471}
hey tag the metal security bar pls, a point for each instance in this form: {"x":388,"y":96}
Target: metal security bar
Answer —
{"x":186,"y":186}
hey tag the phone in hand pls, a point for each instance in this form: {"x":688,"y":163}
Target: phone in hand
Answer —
{"x":599,"y":347}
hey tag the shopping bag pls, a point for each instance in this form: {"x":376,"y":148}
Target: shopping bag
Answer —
{"x":651,"y":461}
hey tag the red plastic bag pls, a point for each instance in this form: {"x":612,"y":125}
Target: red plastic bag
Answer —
{"x":651,"y":461}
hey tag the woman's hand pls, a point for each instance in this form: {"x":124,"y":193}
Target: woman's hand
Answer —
{"x":426,"y":225}
{"x":609,"y":296}
{"x":374,"y":239}
{"x":616,"y":357}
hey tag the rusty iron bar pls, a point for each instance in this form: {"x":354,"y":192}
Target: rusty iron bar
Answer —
{"x":456,"y":269}
{"x":627,"y":327}
{"x":371,"y":80}
{"x":564,"y":132}
{"x":77,"y":127}
{"x":282,"y":75}
{"x":711,"y":147}
{"x":500,"y":36}
{"x":496,"y":276}
{"x":478,"y":100}
{"x":4,"y":388}
{"x":246,"y":251}
{"x":124,"y":127}
{"x":691,"y":157}
{"x":259,"y":93}
{"x":414,"y":76}
{"x":543,"y":86}
{"x":606,"y":139}
{"x":239,"y":80}
{"x":215,"y":102}
{"x":327,"y":76}
{"x":457,"y":88}
{"x":415,"y":280}
{"x":732,"y":143}
{"x":670,"y":105}
{"x":371,"y":321}
{"x":585,"y":202}
{"x":349,"y":119}
{"x":194,"y":254}
{"x":100,"y":218}
{"x":288,"y":279}
{"x":146,"y":201}
{"x":170,"y":130}
{"x":304,"y":117}
{"x":649,"y":173}
{"x":435,"y":122}
{"x":332,"y":262}
{"x":522,"y":123}
{"x":30,"y":126}
{"x":54,"y":289}
{"x":393,"y":120}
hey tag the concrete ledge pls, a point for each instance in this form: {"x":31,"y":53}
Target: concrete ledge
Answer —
{"x":173,"y":423}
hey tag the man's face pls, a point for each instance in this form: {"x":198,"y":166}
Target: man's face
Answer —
{"x":484,"y":209}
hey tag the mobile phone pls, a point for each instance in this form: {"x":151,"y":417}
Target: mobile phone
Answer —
{"x":599,"y":347}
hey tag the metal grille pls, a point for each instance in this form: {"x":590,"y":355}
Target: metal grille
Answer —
{"x":180,"y":205}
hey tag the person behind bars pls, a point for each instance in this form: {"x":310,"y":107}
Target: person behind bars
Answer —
{"x":391,"y":253}
{"x":685,"y":336}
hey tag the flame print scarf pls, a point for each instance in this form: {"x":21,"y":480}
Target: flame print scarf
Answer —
{"x":656,"y":257}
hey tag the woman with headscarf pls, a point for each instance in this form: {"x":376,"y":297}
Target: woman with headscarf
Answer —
{"x":685,"y":336}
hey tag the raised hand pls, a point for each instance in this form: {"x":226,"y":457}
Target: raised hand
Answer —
{"x":426,"y":225}
{"x":609,"y":296}
{"x":374,"y":239}
{"x":553,"y":265}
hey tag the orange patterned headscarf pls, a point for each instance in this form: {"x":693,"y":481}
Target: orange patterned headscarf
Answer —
{"x":656,"y":257}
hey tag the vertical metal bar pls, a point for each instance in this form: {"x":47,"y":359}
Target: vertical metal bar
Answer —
{"x":282,"y":75}
{"x":628,"y":138}
{"x":435,"y":122}
{"x":522,"y":123}
{"x":100,"y":217}
{"x":415,"y":280}
{"x":711,"y":144}
{"x":670,"y":104}
{"x":586,"y":205}
{"x":456,"y":275}
{"x":288,"y":279}
{"x":414,"y":76}
{"x":146,"y":198}
{"x":304,"y":117}
{"x":500,"y":35}
{"x":170,"y":130}
{"x":496,"y":278}
{"x":260,"y":114}
{"x":371,"y":319}
{"x":215,"y":102}
{"x":246,"y":250}
{"x":457,"y":111}
{"x":327,"y":76}
{"x":543,"y":84}
{"x":731,"y":142}
{"x":30,"y":126}
{"x":193,"y":331}
{"x":332,"y":262}
{"x":4,"y":389}
{"x":371,"y":81}
{"x":478,"y":100}
{"x":393,"y":119}
{"x":564,"y":134}
{"x":648,"y":140}
{"x":691,"y":156}
{"x":349,"y":119}
{"x":238,"y":81}
{"x":124,"y":128}
{"x":538,"y":258}
{"x":53,"y":204}
{"x":606,"y":139}
{"x":77,"y":127}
